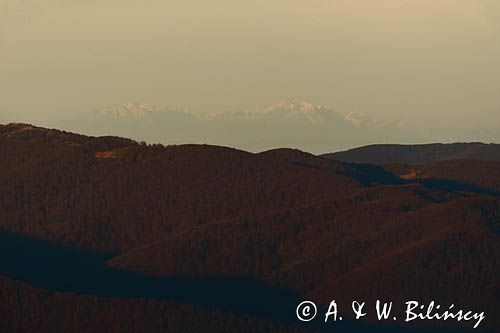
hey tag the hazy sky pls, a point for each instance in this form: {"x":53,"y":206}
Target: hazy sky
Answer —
{"x":417,"y":60}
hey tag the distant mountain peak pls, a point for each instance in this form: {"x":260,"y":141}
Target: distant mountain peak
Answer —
{"x":314,"y":113}
{"x":359,"y":119}
{"x":129,"y":110}
{"x":295,"y":106}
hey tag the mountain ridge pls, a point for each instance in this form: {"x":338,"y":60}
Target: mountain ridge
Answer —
{"x":298,"y":124}
{"x":381,"y":154}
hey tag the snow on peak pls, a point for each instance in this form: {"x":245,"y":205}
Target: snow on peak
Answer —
{"x":298,"y":109}
{"x":359,"y":119}
{"x":133,"y":109}
{"x":295,"y":106}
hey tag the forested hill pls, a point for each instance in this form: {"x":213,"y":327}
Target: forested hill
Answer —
{"x":417,"y":154}
{"x":278,"y":220}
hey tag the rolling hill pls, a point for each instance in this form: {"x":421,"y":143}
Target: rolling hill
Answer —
{"x":417,"y":154}
{"x":116,"y":236}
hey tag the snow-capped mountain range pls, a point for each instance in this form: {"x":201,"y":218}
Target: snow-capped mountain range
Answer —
{"x":297,"y":124}
{"x":136,"y":110}
{"x":286,"y":110}
{"x":131,"y":110}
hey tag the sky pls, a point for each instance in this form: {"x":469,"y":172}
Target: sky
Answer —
{"x":421,"y":61}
